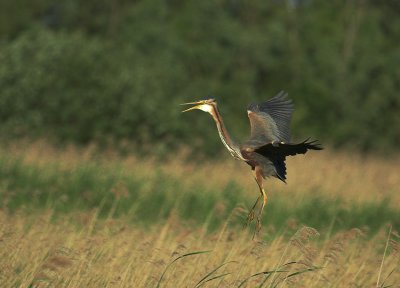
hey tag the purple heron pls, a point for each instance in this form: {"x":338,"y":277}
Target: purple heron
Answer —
{"x":269,"y":143}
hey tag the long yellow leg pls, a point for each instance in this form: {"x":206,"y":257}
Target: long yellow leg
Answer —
{"x":259,"y":180}
{"x":265,"y":200}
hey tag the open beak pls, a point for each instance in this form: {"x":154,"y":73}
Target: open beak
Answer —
{"x":198,"y":104}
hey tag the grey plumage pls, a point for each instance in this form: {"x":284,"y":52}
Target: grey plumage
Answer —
{"x":270,"y":120}
{"x":270,"y":136}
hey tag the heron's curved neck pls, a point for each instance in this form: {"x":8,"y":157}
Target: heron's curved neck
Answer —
{"x":232,"y":147}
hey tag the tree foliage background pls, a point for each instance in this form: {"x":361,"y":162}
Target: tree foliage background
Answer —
{"x":115,"y":71}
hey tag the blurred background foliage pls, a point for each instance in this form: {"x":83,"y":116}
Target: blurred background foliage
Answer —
{"x":115,"y":71}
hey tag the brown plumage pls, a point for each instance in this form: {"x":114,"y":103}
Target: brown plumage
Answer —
{"x":269,"y":143}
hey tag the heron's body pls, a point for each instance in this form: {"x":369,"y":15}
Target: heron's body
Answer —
{"x":269,"y":143}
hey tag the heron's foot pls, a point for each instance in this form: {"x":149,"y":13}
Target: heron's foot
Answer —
{"x":257,"y":228}
{"x":250,"y":217}
{"x":260,"y":213}
{"x":259,"y":217}
{"x":258,"y":225}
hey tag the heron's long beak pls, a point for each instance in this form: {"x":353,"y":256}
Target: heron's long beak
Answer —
{"x":198,"y":105}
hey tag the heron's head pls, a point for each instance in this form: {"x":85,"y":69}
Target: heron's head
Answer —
{"x":204,"y":105}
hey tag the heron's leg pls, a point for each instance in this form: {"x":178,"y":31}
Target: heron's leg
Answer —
{"x":251,"y":215}
{"x":265,"y":200}
{"x":259,"y":180}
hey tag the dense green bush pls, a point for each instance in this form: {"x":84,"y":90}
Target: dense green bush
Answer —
{"x":103,"y":71}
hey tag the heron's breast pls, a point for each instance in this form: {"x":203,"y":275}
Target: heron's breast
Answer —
{"x":247,"y":156}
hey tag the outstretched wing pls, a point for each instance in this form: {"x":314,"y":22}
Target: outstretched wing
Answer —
{"x":270,"y":120}
{"x":281,"y":150}
{"x":276,"y":154}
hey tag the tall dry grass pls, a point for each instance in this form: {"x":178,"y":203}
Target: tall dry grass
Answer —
{"x":83,"y":251}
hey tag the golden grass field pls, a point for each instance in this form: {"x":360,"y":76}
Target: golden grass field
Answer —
{"x":82,"y":250}
{"x":110,"y":253}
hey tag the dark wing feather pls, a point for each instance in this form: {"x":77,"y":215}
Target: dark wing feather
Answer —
{"x":280,"y":150}
{"x":270,"y":120}
{"x":277,"y":155}
{"x":280,"y":168}
{"x":274,"y":166}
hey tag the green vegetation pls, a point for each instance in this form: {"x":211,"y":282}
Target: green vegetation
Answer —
{"x":153,"y":198}
{"x":116,"y":70}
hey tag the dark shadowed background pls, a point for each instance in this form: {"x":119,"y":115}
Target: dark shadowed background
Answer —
{"x":115,"y":71}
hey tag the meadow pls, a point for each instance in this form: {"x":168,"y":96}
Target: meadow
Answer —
{"x":77,"y":217}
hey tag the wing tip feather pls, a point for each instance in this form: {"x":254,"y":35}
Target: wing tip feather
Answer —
{"x":313,"y":144}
